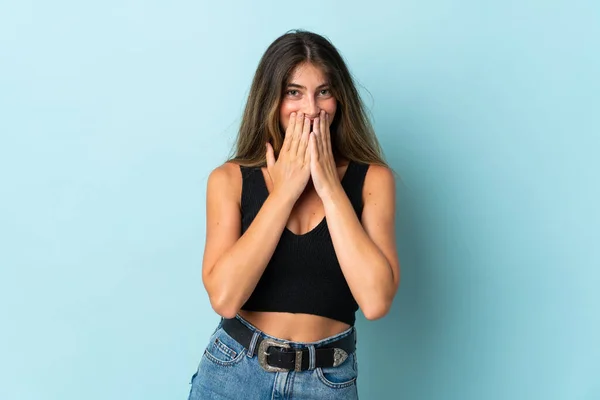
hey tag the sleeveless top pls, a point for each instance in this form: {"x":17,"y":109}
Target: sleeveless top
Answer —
{"x":303,"y":275}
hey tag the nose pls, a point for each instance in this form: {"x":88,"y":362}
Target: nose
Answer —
{"x":311,"y":109}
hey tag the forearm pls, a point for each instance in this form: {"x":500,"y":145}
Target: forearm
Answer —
{"x":365,"y":267}
{"x":236,"y":273}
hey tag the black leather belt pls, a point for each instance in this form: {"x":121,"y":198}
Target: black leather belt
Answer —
{"x":277,"y":356}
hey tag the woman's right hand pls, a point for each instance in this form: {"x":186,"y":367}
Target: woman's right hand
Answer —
{"x":290,"y":172}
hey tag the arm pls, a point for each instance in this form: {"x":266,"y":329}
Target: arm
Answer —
{"x":233,"y":264}
{"x":367,"y":252}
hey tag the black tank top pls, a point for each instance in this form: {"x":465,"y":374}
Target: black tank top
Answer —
{"x":303,"y":275}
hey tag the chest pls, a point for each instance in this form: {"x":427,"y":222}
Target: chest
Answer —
{"x":308,"y":212}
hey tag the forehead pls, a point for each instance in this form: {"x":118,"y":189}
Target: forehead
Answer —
{"x":306,"y":74}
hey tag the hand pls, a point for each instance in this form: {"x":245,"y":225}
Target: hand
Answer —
{"x":322,"y":163}
{"x":290,"y":173}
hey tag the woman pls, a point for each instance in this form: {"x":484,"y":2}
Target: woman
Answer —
{"x":300,"y":233}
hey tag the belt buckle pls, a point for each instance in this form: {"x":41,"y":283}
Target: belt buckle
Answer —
{"x":262,"y":354}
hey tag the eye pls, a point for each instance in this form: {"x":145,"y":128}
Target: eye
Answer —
{"x":325,"y":92}
{"x":292,"y":92}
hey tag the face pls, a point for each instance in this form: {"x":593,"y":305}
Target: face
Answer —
{"x":307,"y":92}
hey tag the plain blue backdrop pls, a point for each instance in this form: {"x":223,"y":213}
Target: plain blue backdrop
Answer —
{"x":113,"y":113}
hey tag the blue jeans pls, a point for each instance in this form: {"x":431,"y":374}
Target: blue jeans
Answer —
{"x":228,"y":371}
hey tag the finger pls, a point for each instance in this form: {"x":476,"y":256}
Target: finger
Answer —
{"x":323,"y":122}
{"x":308,"y":151}
{"x":299,"y":124}
{"x":287,"y":140}
{"x":270,"y":156}
{"x":297,"y":133}
{"x":306,"y":127}
{"x":314,"y":152}
{"x":319,"y":137}
{"x":304,"y":139}
{"x":315,"y":128}
{"x":326,"y":135}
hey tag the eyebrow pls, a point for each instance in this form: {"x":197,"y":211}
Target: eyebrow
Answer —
{"x":295,"y":85}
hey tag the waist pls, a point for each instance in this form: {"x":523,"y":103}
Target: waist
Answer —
{"x":275,"y":354}
{"x":294,"y":327}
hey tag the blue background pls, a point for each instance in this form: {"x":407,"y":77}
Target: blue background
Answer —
{"x":113,"y":113}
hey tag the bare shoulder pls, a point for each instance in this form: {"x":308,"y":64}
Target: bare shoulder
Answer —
{"x":379,"y":178}
{"x":229,"y":172}
{"x":225,"y":183}
{"x":225,"y":177}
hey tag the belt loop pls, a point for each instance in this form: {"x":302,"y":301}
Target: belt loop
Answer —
{"x":252,"y":346}
{"x":311,"y":357}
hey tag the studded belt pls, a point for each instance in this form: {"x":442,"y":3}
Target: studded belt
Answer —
{"x":277,"y":356}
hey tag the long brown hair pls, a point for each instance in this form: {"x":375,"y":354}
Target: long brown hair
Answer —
{"x":352,"y":135}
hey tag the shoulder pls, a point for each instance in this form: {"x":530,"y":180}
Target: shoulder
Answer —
{"x":225,"y":178}
{"x":379,"y":181}
{"x":378,"y":175}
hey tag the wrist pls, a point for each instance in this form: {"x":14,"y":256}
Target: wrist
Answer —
{"x":283,"y":197}
{"x":333,"y":196}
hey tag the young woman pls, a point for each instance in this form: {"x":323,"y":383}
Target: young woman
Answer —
{"x":300,"y":233}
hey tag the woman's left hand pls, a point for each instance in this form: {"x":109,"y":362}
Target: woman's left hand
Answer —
{"x":323,"y":169}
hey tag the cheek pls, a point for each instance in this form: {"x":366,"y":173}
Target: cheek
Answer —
{"x":284,"y":114}
{"x":331,"y":109}
{"x":284,"y":121}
